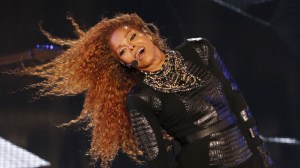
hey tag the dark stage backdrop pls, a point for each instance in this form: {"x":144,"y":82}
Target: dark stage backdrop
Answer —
{"x":259,"y":41}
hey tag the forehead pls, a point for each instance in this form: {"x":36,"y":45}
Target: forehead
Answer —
{"x":117,"y":36}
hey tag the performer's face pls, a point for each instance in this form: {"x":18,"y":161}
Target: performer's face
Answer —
{"x":131,"y":44}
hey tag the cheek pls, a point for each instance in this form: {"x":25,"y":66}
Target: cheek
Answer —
{"x":151,"y":48}
{"x":123,"y":59}
{"x":127,"y":58}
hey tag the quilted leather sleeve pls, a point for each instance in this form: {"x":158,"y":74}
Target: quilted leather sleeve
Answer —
{"x":147,"y":131}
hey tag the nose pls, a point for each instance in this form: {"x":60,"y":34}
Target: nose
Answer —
{"x":131,"y":46}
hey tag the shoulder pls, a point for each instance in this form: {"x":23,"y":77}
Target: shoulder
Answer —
{"x":198,"y":47}
{"x":139,"y":90}
{"x":196,"y":42}
{"x":200,"y":44}
{"x":143,"y":94}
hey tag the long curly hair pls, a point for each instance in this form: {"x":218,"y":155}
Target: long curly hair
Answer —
{"x":88,"y":66}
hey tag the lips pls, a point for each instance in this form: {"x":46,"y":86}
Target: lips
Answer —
{"x":140,"y":53}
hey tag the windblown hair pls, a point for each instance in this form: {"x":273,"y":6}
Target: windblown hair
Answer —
{"x":88,"y":66}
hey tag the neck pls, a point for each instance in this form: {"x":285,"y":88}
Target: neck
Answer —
{"x":157,"y":65}
{"x":173,"y":76}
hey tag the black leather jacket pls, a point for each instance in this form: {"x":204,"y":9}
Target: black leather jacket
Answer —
{"x":215,"y":115}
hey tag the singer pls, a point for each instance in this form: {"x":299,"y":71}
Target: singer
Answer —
{"x":139,"y":94}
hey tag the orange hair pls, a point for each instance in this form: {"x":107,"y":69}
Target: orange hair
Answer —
{"x":89,"y":67}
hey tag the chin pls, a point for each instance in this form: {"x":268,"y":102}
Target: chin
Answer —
{"x":144,"y":65}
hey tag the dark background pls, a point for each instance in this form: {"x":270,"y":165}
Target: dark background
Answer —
{"x":259,"y":41}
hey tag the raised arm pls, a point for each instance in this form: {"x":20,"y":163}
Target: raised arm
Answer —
{"x":234,"y":97}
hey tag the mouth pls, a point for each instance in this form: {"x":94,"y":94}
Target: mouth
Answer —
{"x":139,"y":55}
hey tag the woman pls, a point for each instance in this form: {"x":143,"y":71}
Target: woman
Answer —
{"x":139,"y":93}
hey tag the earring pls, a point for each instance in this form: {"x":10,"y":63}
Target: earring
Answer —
{"x":128,"y":66}
{"x":125,"y":65}
{"x":122,"y":63}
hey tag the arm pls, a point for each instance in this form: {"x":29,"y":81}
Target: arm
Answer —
{"x":237,"y":102}
{"x":147,"y":131}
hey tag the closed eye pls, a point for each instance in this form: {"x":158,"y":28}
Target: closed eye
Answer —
{"x":122,"y":52}
{"x":132,"y":37}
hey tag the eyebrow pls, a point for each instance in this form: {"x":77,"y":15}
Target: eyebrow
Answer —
{"x":125,"y":37}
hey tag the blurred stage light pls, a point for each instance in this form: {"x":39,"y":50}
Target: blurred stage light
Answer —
{"x":239,"y":7}
{"x":12,"y":156}
{"x":281,"y":140}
